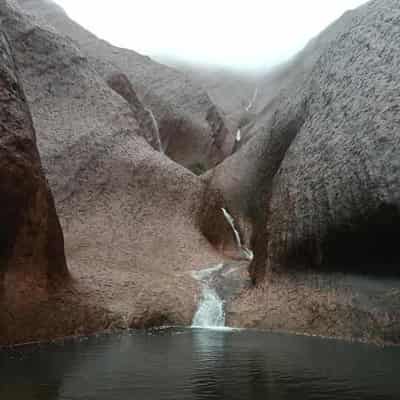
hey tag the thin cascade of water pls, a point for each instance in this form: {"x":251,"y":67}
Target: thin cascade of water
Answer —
{"x":251,"y":103}
{"x":210,"y":313}
{"x":205,"y":274}
{"x":231,"y":222}
{"x":247,"y":252}
{"x":156,"y":129}
{"x":238,"y":135}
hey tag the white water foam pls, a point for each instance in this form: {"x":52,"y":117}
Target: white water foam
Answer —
{"x":210,"y":313}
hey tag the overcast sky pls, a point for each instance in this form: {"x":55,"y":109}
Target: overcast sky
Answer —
{"x":240,"y":34}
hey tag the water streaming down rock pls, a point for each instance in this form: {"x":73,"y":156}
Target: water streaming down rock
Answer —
{"x":156,"y":129}
{"x":210,"y":313}
{"x":251,"y":103}
{"x":238,"y":135}
{"x":245,"y":251}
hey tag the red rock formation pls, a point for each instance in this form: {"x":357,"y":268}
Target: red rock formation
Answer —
{"x":32,"y":260}
{"x":319,"y":183}
{"x":31,"y":239}
{"x":191,"y":128}
{"x":132,"y":218}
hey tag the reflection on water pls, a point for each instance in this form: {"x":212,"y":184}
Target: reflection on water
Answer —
{"x":199,"y":364}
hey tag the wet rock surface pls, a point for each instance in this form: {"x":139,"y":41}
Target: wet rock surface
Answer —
{"x":231,"y":280}
{"x":32,"y":260}
{"x":30,"y":234}
{"x":191,"y":128}
{"x":148,"y":126}
{"x":335,"y":199}
{"x":318,"y":182}
{"x":347,"y":306}
{"x":132,"y":218}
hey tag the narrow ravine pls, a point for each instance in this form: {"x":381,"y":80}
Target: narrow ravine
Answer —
{"x":210,"y":313}
{"x":238,"y":137}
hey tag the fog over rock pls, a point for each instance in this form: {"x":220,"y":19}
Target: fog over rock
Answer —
{"x":192,"y":131}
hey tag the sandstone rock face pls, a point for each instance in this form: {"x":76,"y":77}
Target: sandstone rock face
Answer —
{"x":148,"y":125}
{"x":320,"y":179}
{"x":132,"y":218}
{"x":327,"y":161}
{"x":314,"y":188}
{"x":335,"y":199}
{"x":191,"y":128}
{"x":31,"y":238}
{"x":32,"y":260}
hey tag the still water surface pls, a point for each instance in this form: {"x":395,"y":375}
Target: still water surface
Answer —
{"x":175,"y":364}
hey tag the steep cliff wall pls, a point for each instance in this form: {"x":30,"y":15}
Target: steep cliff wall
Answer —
{"x":32,"y":260}
{"x":320,"y":179}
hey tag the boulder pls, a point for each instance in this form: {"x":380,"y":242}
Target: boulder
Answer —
{"x":31,"y":240}
{"x":32,"y":260}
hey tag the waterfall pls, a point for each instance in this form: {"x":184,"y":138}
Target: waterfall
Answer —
{"x":247,"y":252}
{"x":238,"y":135}
{"x":156,"y":129}
{"x":210,"y":312}
{"x":249,"y":107}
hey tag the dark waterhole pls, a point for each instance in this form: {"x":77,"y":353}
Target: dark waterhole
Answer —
{"x":199,"y":364}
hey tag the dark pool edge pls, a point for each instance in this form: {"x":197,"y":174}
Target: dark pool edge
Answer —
{"x":107,"y":332}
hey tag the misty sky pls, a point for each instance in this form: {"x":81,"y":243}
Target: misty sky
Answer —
{"x":240,"y":34}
